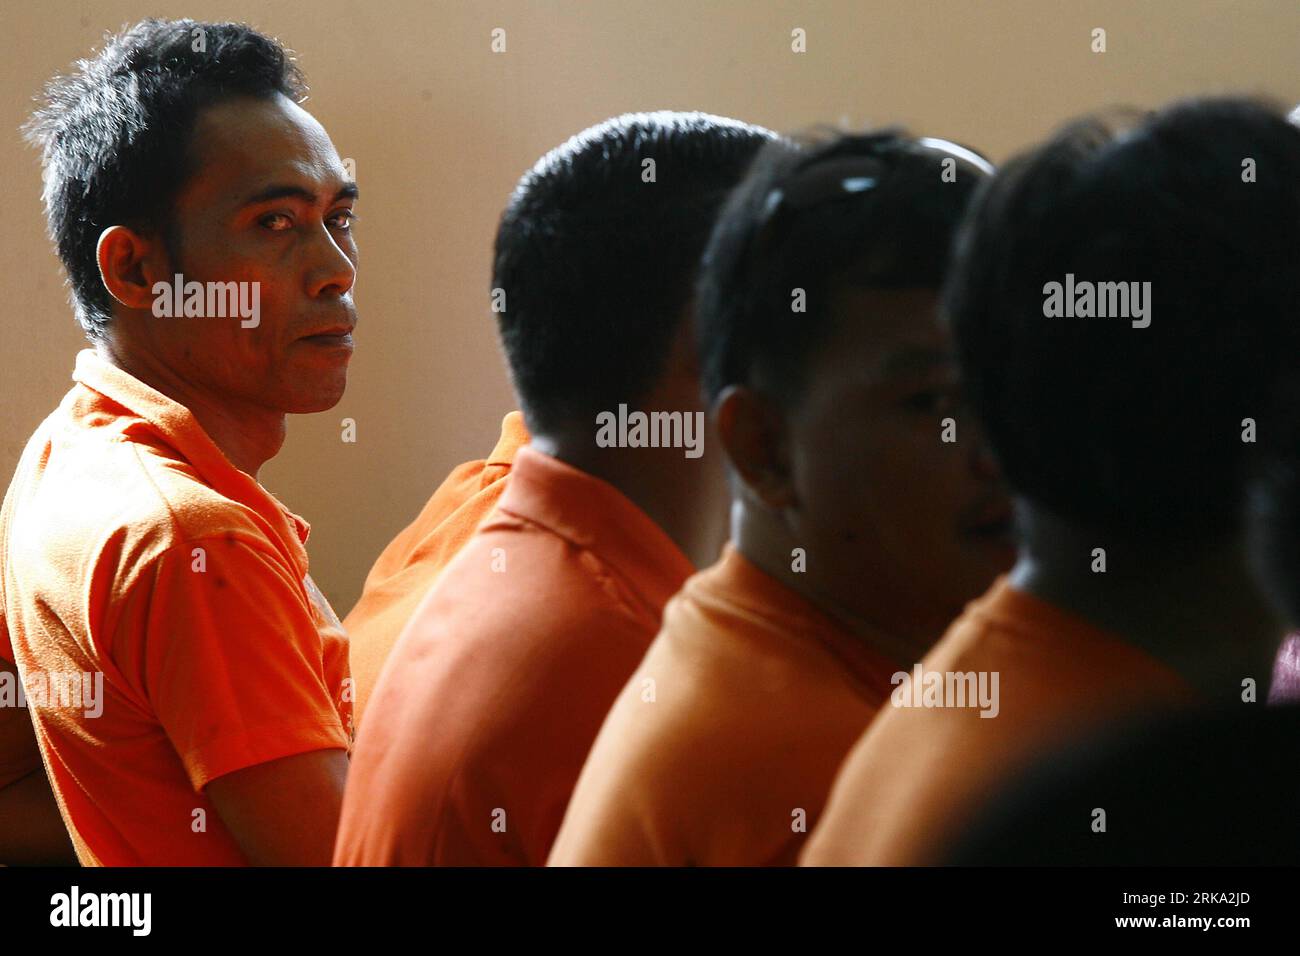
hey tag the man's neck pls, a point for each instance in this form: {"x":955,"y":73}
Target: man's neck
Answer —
{"x":249,"y":436}
{"x":671,"y":489}
{"x":900,"y":636}
{"x":1194,"y":607}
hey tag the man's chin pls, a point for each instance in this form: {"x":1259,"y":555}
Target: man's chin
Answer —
{"x":994,"y":550}
{"x":321,"y":397}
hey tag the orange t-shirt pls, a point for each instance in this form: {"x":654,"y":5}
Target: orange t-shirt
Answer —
{"x":489,"y":703}
{"x":920,"y":773}
{"x":162,"y":621}
{"x":407,"y":568}
{"x":722,"y":747}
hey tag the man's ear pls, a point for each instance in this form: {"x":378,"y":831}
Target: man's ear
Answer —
{"x":129,"y":266}
{"x":754,"y":435}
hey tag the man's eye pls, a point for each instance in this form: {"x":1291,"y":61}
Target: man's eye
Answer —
{"x":342,"y":220}
{"x":277,"y":222}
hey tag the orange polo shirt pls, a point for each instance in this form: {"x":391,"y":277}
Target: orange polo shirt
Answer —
{"x":721,"y":749}
{"x":137,"y":558}
{"x":492,"y":697}
{"x":407,"y":568}
{"x":920,"y":773}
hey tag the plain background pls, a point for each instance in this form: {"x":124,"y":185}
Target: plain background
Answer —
{"x":441,"y":128}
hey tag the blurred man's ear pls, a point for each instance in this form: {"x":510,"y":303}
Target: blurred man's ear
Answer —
{"x":754,"y":435}
{"x":129,"y":265}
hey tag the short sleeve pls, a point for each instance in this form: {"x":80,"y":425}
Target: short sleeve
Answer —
{"x":229,"y":658}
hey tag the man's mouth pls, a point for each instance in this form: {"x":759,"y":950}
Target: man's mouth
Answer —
{"x":338,"y":338}
{"x":994,"y":535}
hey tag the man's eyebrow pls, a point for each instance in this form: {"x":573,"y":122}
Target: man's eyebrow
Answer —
{"x":287,"y":191}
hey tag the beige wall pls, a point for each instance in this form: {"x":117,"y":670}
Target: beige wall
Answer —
{"x":441,"y":128}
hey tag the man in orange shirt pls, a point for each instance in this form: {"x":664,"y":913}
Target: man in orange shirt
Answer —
{"x":186,"y":682}
{"x":1122,"y":303}
{"x":1212,"y":787}
{"x":407,"y":568}
{"x":489,"y":702}
{"x":858,"y":531}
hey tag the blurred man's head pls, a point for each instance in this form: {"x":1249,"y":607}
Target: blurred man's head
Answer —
{"x":180,"y":149}
{"x":832,"y":377}
{"x":1108,"y":423}
{"x":596,"y":255}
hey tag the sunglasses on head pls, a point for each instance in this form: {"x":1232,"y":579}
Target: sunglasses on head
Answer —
{"x":838,"y":177}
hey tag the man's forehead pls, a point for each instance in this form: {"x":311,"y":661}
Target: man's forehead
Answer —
{"x":909,"y":359}
{"x":245,"y":145}
{"x":894,"y":332}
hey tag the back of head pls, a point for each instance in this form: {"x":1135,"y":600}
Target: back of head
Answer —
{"x":114,"y":133}
{"x":819,"y":214}
{"x":596,"y":256}
{"x":1101,"y":421}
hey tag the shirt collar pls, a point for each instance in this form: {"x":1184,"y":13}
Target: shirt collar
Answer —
{"x":593,"y":514}
{"x":514,"y":435}
{"x":178,"y":428}
{"x":1024,"y":614}
{"x":748,"y":586}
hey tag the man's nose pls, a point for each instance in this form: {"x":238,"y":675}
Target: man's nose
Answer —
{"x":332,"y":270}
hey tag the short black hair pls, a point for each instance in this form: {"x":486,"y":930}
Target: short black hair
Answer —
{"x":597,"y":264}
{"x":1122,"y":428}
{"x":895,"y":234}
{"x":114,"y":133}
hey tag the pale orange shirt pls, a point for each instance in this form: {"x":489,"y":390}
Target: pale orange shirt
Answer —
{"x":721,"y":749}
{"x":492,"y":697}
{"x":919,"y":773}
{"x":406,"y":569}
{"x":173,"y":589}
